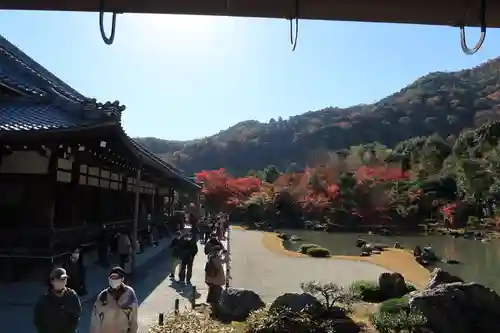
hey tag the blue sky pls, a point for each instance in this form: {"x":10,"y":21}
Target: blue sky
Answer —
{"x":185,"y":77}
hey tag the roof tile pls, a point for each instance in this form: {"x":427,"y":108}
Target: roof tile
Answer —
{"x":27,"y":116}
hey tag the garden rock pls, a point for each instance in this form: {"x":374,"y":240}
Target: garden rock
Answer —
{"x":392,"y":285}
{"x":440,"y":276}
{"x":459,"y":308}
{"x":237,"y":304}
{"x":360,"y":242}
{"x":298,"y":302}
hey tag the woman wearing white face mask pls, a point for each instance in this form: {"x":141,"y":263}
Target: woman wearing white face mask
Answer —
{"x":59,"y":310}
{"x":115,"y":310}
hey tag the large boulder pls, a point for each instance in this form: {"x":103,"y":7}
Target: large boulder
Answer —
{"x":440,"y":276}
{"x":459,"y":308}
{"x":298,"y":302}
{"x":237,"y":304}
{"x":392,"y":285}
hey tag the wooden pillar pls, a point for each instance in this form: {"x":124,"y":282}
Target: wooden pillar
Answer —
{"x":153,"y":197}
{"x":52,"y":185}
{"x":75,"y":181}
{"x":136,"y":216}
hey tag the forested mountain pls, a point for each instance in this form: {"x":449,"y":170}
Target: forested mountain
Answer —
{"x":443,"y":102}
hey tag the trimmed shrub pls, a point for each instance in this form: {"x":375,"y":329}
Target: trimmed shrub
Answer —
{"x":190,"y":321}
{"x":304,"y":247}
{"x":318,"y":252}
{"x":410,"y":288}
{"x":398,"y":322}
{"x":368,"y":291}
{"x":395,"y":305}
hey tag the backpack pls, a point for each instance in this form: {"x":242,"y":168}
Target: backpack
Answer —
{"x":210,"y":268}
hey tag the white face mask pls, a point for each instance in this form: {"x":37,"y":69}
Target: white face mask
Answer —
{"x":113,"y":283}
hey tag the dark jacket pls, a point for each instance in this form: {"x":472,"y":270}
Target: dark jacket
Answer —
{"x":187,"y":249}
{"x":76,"y":273}
{"x":211,"y":244}
{"x":58,"y":314}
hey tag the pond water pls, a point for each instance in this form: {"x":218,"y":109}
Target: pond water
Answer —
{"x":480,"y":262}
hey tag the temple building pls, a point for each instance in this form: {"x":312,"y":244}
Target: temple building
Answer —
{"x":68,"y":170}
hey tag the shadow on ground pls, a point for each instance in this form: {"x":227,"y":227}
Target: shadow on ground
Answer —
{"x":185,"y":290}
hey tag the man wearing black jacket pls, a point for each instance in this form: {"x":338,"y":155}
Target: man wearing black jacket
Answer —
{"x":188,"y":251}
{"x":76,"y":272}
{"x":59,"y":309}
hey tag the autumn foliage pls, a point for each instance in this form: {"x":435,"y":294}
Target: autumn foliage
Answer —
{"x":316,"y":192}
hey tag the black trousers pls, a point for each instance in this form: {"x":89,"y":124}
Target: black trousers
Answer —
{"x":123,"y":259}
{"x":186,"y":270}
{"x":214,"y":294}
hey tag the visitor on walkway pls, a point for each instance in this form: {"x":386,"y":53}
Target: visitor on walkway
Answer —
{"x":205,"y":231}
{"x":103,"y":246}
{"x":124,"y":249}
{"x":59,"y":309}
{"x":189,"y":250}
{"x":211,"y":244}
{"x":215,"y":277}
{"x":116,"y":307}
{"x":175,"y":249}
{"x":76,"y":272}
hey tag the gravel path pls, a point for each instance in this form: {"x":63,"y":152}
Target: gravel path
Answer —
{"x":270,"y":274}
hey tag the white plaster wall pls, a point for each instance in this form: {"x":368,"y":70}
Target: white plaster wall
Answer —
{"x":24,"y":162}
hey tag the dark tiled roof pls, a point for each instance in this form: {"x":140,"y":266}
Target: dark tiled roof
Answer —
{"x":52,"y":104}
{"x":25,"y":116}
{"x":24,"y":73}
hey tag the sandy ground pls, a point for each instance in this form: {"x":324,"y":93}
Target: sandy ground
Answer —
{"x":394,"y":260}
{"x":271,"y":273}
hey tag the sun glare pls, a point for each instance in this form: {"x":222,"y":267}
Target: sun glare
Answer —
{"x":180,"y":29}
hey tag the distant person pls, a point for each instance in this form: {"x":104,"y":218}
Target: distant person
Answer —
{"x":76,"y":272}
{"x":215,"y":276}
{"x":211,"y":244}
{"x":59,"y":309}
{"x":124,"y":249}
{"x":116,"y":307}
{"x":175,"y":249}
{"x":103,"y":247}
{"x":187,"y":253}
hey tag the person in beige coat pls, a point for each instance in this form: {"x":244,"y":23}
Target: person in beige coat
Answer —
{"x":116,"y":308}
{"x":215,"y":276}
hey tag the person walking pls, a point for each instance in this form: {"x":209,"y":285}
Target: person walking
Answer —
{"x":215,"y":277}
{"x":211,"y":244}
{"x":175,"y":249}
{"x":116,"y":307}
{"x":76,"y":272}
{"x":188,"y":251}
{"x":59,"y":309}
{"x":124,"y":249}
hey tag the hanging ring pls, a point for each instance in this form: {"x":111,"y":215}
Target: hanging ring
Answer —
{"x":108,"y":40}
{"x":482,"y":37}
{"x":294,"y":37}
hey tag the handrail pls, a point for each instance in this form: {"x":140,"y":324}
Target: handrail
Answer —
{"x":482,"y":37}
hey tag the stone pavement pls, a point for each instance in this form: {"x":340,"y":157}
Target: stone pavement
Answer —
{"x":162,"y":297}
{"x":17,"y":299}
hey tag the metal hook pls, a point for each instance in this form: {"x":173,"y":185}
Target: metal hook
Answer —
{"x":479,"y":44}
{"x":293,"y":38}
{"x":111,"y":38}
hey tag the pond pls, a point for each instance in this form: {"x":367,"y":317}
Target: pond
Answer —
{"x":480,"y":262}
